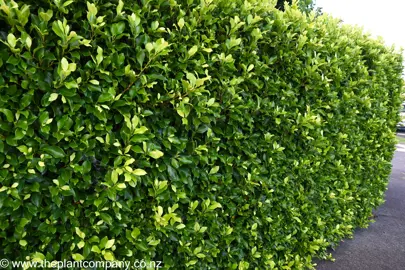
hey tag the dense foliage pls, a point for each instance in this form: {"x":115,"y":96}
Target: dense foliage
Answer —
{"x":206,"y":134}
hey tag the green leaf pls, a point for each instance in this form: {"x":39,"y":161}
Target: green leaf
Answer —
{"x":104,"y":97}
{"x":230,"y":43}
{"x":55,"y":151}
{"x":56,"y":27}
{"x":103,"y":242}
{"x":135,"y":233}
{"x":117,"y":28}
{"x":46,"y":16}
{"x":9,"y":115}
{"x":107,"y":218}
{"x":22,"y":14}
{"x":140,"y":57}
{"x":23,"y":149}
{"x":114,"y":176}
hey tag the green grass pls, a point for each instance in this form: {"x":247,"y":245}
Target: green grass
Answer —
{"x":401,"y":139}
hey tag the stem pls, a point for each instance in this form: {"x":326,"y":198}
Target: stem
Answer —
{"x":140,"y":73}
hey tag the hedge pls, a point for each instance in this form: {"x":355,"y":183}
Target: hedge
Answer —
{"x":205,"y":134}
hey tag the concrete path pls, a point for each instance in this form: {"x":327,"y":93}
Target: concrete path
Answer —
{"x":382,"y":245}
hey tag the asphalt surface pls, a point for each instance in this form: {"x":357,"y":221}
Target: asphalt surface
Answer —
{"x":382,"y":245}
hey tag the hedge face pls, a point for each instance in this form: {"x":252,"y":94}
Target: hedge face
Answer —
{"x":202,"y":134}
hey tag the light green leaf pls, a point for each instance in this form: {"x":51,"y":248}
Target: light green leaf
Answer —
{"x":192,"y":51}
{"x":67,"y":3}
{"x":95,"y":249}
{"x":149,"y":47}
{"x":28,"y":42}
{"x":154,"y":25}
{"x":214,"y":206}
{"x":139,"y":172}
{"x":65,"y":64}
{"x":11,"y":40}
{"x":119,"y":7}
{"x":53,"y":97}
{"x":211,"y":101}
{"x":37,"y":257}
{"x":65,"y":187}
{"x":140,"y":130}
{"x":121,"y":186}
{"x":156,"y":154}
{"x":99,"y":56}
{"x":80,"y":233}
{"x":108,"y":256}
{"x":134,"y":20}
{"x":180,"y":226}
{"x":180,"y":23}
{"x":77,"y":257}
{"x":214,"y":170}
{"x":23,"y":242}
{"x":81,"y":244}
{"x":154,"y":242}
{"x":109,"y":243}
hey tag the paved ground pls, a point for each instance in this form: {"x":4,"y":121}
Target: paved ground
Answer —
{"x":382,"y":245}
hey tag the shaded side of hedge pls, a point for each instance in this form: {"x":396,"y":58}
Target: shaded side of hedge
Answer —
{"x":205,"y":134}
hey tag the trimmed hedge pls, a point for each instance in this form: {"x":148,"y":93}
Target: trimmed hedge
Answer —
{"x":204,"y":134}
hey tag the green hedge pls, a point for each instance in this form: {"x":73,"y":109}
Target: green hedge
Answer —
{"x":204,"y":134}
